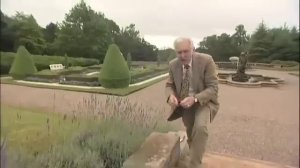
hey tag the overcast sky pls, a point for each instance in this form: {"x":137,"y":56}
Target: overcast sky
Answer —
{"x":161,"y":21}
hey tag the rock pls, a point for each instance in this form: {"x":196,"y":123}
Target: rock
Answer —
{"x":158,"y":151}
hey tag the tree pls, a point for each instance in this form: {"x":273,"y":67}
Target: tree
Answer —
{"x":8,"y":35}
{"x":114,"y":72}
{"x":260,"y":44}
{"x":28,"y":33}
{"x":83,"y":33}
{"x":22,"y":65}
{"x":166,"y":55}
{"x":130,"y":41}
{"x":220,"y":47}
{"x":284,"y":44}
{"x":50,"y":34}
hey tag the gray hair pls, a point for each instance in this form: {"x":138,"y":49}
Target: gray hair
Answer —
{"x":183,"y":39}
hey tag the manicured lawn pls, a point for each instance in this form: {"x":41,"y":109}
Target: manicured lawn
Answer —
{"x":35,"y":131}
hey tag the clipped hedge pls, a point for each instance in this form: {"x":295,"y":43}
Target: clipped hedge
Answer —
{"x":114,"y":72}
{"x":23,"y":64}
{"x":81,"y":78}
{"x":43,"y":61}
{"x":285,"y":63}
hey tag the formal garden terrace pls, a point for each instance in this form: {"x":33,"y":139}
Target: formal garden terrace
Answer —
{"x":83,"y":74}
{"x":78,"y":74}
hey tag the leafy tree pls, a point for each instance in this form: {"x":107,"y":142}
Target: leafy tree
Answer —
{"x":130,"y":41}
{"x":8,"y":35}
{"x":83,"y":33}
{"x":28,"y":33}
{"x":260,"y":44}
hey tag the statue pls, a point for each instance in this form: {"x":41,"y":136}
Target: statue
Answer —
{"x":240,"y":75}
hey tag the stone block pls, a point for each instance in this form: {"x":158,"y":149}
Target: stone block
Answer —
{"x":160,"y":150}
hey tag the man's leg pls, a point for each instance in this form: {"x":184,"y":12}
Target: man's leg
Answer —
{"x":199,"y":135}
{"x":188,"y":118}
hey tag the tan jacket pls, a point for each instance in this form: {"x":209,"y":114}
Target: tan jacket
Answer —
{"x":204,"y":83}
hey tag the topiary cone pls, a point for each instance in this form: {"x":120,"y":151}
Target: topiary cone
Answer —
{"x":114,"y":72}
{"x":23,"y":64}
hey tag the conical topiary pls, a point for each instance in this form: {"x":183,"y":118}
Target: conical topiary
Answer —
{"x":66,"y":61}
{"x":114,"y":72}
{"x":22,"y":65}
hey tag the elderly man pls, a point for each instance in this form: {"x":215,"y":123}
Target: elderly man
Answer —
{"x":192,"y":92}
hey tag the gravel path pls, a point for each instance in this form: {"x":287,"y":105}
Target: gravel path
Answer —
{"x":259,"y":123}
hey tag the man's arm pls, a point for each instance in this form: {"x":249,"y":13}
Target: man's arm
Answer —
{"x":170,"y":85}
{"x":211,"y":84}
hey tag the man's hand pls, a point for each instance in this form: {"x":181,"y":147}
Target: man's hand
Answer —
{"x":173,"y":100}
{"x":187,"y":102}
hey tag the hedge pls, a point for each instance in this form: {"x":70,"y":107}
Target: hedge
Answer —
{"x":114,"y":72}
{"x":43,"y":61}
{"x":23,"y":64}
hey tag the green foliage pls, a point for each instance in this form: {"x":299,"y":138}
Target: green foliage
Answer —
{"x":285,"y":63}
{"x":66,"y":61}
{"x":23,"y":64}
{"x":165,"y":55}
{"x":129,"y":60}
{"x":81,"y":139}
{"x":84,"y":33}
{"x":129,"y":41}
{"x":115,"y":72}
{"x":50,"y":34}
{"x":28,"y":33}
{"x":8,"y":35}
{"x":221,"y":48}
{"x":264,"y":45}
{"x":260,"y":44}
{"x":43,"y":61}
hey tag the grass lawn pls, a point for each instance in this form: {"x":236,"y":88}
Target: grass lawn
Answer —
{"x":35,"y":131}
{"x":118,"y":92}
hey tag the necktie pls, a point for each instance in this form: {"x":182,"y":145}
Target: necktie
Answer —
{"x":184,"y":92}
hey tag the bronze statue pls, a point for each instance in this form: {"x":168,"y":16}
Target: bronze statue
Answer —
{"x":240,"y":75}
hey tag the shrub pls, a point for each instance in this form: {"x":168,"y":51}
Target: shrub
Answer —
{"x":285,"y":63}
{"x":66,"y":61}
{"x":23,"y":64}
{"x":113,"y":130}
{"x":114,"y":72}
{"x":6,"y":61}
{"x":43,"y":61}
{"x":129,"y":60}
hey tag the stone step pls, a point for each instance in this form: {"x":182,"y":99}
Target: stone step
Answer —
{"x":170,"y":150}
{"x":158,"y":151}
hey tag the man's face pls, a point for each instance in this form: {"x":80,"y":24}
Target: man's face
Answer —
{"x":184,"y":52}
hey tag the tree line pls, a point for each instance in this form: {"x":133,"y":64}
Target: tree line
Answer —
{"x":83,"y":33}
{"x":87,"y":33}
{"x":263,"y":45}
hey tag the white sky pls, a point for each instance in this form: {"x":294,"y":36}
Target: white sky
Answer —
{"x":161,"y":21}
